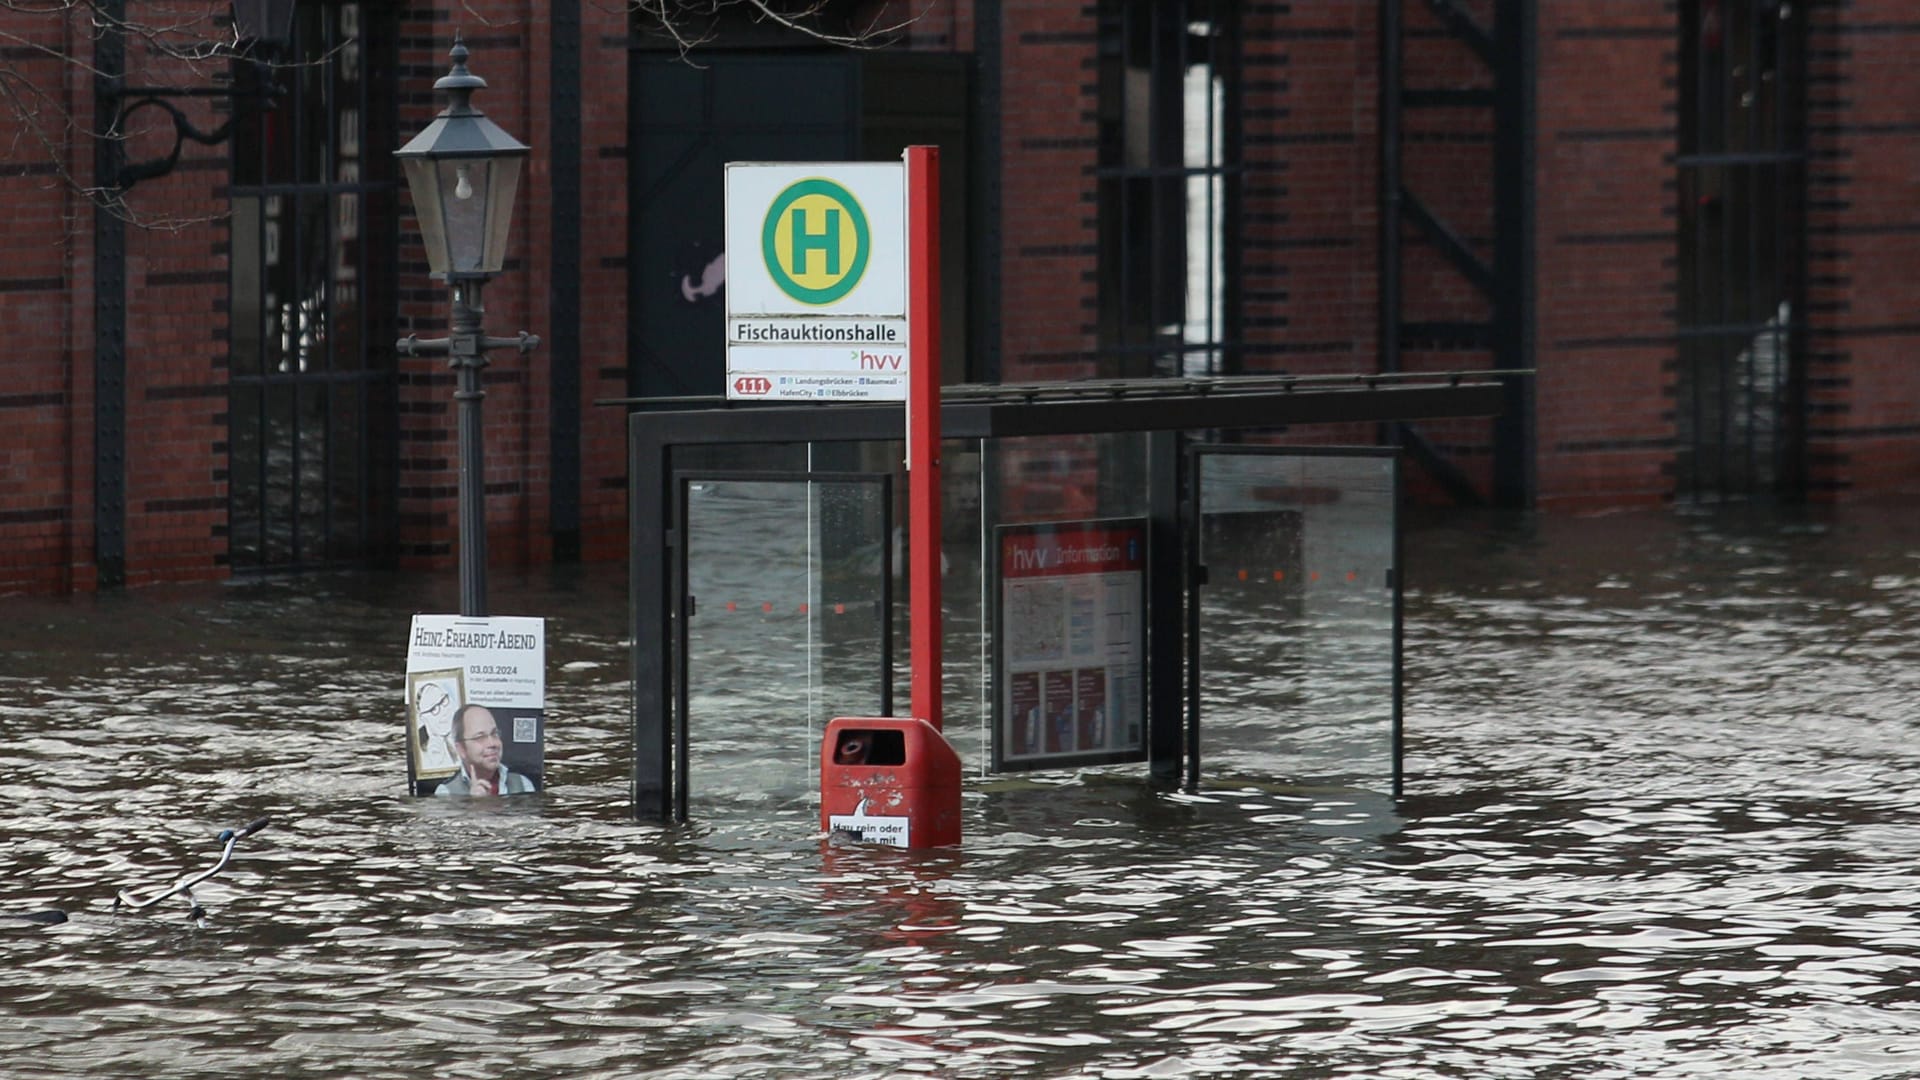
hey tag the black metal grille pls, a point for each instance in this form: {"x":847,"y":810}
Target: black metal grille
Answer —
{"x":1742,"y":183}
{"x":1169,"y":145}
{"x":310,"y":389}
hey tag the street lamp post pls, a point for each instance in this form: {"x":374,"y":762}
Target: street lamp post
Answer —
{"x":463,"y":171}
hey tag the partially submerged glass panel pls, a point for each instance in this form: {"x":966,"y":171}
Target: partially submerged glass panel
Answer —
{"x":786,"y":624}
{"x":966,"y":681}
{"x":1297,"y":616}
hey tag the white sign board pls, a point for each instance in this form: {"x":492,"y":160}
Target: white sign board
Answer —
{"x":476,"y":704}
{"x":817,"y":281}
{"x":884,"y":829}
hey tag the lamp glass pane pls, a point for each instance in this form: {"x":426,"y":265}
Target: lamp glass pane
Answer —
{"x":423,"y":181}
{"x":500,"y":198}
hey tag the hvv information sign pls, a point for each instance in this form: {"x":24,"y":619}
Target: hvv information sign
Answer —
{"x":817,"y":281}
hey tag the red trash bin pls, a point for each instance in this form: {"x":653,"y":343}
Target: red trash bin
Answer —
{"x":889,"y":780}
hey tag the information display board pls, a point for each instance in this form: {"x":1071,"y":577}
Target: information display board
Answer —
{"x":476,"y":705}
{"x":816,"y":281}
{"x":1069,"y":665}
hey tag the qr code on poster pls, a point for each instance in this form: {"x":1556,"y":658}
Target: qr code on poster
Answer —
{"x":526,"y":729}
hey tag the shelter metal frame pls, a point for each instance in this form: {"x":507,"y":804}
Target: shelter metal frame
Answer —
{"x":1160,"y":408}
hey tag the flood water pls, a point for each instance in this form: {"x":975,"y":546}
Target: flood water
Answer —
{"x":1661,"y":821}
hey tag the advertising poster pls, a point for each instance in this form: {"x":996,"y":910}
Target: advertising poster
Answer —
{"x":1024,"y":712}
{"x":1070,"y":657}
{"x":476,"y":705}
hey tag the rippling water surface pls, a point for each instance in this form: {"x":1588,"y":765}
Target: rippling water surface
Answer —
{"x":1662,"y":821}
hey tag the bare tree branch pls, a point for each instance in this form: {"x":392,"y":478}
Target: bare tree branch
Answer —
{"x":49,"y":47}
{"x":806,"y":21}
{"x":690,"y":24}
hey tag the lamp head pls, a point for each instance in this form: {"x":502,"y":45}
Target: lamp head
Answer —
{"x":464,"y":172}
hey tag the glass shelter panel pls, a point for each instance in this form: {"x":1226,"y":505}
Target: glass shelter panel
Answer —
{"x":1058,"y":486}
{"x":965,"y":673}
{"x":785,"y":584}
{"x":1298,"y":618}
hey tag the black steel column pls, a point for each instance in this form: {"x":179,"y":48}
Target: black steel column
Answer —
{"x":467,"y":356}
{"x":1399,"y":635}
{"x":109,"y":315}
{"x":1166,"y":597}
{"x":563,"y":284}
{"x":1391,"y":60}
{"x":650,"y":549}
{"x":1513,"y":202}
{"x":1233,"y":165}
{"x":985,"y":186}
{"x":1193,"y":574}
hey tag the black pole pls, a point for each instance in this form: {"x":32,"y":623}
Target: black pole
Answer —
{"x":563,"y":283}
{"x":1166,"y":619}
{"x":1515,"y":477}
{"x":468,"y":356}
{"x":1391,"y":59}
{"x":110,"y":446}
{"x":466,"y":348}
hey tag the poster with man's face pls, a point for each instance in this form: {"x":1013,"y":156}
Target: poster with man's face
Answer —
{"x":476,"y":705}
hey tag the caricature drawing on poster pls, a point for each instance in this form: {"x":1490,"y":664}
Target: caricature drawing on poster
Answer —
{"x":433,"y":697}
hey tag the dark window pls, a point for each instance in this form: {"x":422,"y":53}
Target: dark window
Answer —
{"x":1742,"y":186}
{"x":1168,"y":139}
{"x":312,"y":357}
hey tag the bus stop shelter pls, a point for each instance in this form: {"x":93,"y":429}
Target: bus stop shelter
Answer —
{"x":1242,"y":551}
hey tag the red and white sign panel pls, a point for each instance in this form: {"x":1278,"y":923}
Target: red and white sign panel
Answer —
{"x":1070,"y":644}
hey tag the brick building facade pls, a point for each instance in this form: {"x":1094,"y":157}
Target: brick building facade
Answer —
{"x":1693,"y":219}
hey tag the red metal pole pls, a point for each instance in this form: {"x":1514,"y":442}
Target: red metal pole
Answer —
{"x":923,"y":427}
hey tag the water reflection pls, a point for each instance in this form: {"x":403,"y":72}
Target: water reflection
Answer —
{"x":1660,"y":825}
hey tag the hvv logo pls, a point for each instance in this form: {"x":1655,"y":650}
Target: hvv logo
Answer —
{"x":880,"y":361}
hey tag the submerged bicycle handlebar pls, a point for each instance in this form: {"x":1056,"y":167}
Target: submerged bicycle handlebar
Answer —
{"x":247,"y":830}
{"x":229,"y":837}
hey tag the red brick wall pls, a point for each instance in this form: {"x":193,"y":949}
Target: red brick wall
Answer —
{"x":175,"y":343}
{"x":1605,"y":244}
{"x":177,"y":359}
{"x":603,"y":336}
{"x":1864,"y":190}
{"x":45,"y":463}
{"x":1311,"y":189}
{"x":1048,"y":154}
{"x":1311,"y":72}
{"x":1605,"y":234}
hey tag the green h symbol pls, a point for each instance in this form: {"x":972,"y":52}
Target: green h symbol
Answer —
{"x":828,"y":242}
